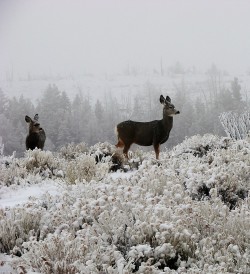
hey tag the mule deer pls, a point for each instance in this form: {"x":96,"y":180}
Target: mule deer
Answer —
{"x":36,"y":136}
{"x":147,"y":133}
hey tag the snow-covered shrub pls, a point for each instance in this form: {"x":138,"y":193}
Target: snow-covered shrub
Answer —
{"x":122,"y":228}
{"x":71,"y":150}
{"x":136,"y":158}
{"x":104,"y":152}
{"x":38,"y":160}
{"x":199,"y":145}
{"x":85,"y":167}
{"x":236,"y":126}
{"x":16,"y":227}
{"x":187,"y":213}
{"x":42,"y":162}
{"x":15,"y":171}
{"x":11,"y":171}
{"x":167,"y":234}
{"x":59,"y":254}
{"x":117,"y":159}
{"x":225,"y":166}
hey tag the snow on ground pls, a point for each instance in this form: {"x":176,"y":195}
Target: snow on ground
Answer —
{"x":5,"y":267}
{"x":10,"y":197}
{"x":120,"y":174}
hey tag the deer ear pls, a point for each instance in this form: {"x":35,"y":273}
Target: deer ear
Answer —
{"x":168,"y":99}
{"x":162,"y":99}
{"x":36,"y":117}
{"x":27,"y":119}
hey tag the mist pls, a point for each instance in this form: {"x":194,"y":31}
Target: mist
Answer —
{"x":74,"y":37}
{"x":87,"y":65}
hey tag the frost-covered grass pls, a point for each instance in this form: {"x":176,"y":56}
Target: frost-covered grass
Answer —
{"x":187,"y":213}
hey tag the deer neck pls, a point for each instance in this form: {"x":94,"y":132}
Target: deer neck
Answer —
{"x":167,"y":121}
{"x":31,"y":130}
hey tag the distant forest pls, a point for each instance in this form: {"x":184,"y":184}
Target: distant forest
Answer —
{"x":84,"y":120}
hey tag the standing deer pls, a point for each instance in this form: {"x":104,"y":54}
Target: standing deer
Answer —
{"x":147,"y":133}
{"x":36,"y":136}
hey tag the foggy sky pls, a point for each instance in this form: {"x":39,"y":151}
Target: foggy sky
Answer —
{"x":79,"y":36}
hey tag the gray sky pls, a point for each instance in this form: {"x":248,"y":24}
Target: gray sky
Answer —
{"x":77,"y":36}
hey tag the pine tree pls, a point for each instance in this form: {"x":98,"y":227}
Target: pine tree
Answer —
{"x":10,"y":136}
{"x":236,"y":87}
{"x":99,"y":111}
{"x":3,"y":102}
{"x":50,"y":112}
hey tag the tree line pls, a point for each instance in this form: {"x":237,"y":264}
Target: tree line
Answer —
{"x":84,"y":119}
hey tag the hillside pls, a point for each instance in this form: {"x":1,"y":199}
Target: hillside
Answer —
{"x":187,"y":213}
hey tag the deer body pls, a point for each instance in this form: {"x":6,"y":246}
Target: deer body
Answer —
{"x":147,"y":133}
{"x":36,"y":137}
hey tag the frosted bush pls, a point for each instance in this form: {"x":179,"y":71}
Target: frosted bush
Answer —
{"x":225,"y":166}
{"x":37,"y":160}
{"x":157,"y":219}
{"x":15,"y":171}
{"x":236,"y":126}
{"x":105,"y":149}
{"x":199,"y":145}
{"x":56,"y":254}
{"x":16,"y":226}
{"x":11,"y":172}
{"x":71,"y":150}
{"x":101,"y":151}
{"x":135,"y":158}
{"x":121,"y":227}
{"x":85,"y":168}
{"x":104,"y":152}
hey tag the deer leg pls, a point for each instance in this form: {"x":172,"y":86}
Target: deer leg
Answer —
{"x":126,"y":149}
{"x":157,"y":150}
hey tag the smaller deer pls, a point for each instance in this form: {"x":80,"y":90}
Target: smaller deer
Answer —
{"x":147,"y":133}
{"x":36,"y":136}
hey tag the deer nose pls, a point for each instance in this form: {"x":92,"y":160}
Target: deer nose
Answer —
{"x":177,"y":112}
